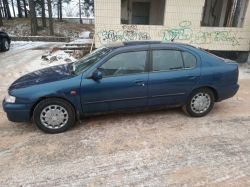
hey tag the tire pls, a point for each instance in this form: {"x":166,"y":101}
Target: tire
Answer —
{"x":54,"y":115}
{"x":5,"y":45}
{"x":199,"y":103}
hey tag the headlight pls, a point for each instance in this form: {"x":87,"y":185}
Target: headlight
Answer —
{"x":10,"y":99}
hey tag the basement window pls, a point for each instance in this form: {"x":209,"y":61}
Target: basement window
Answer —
{"x":224,"y":13}
{"x":142,"y":12}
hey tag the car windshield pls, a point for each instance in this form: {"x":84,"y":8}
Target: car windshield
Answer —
{"x":87,"y":61}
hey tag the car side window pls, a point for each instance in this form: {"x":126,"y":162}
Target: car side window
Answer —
{"x":189,"y":60}
{"x":124,"y":63}
{"x":165,"y":60}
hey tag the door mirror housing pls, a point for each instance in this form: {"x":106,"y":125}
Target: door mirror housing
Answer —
{"x":96,"y":75}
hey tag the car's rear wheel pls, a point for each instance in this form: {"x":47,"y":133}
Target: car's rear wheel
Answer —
{"x":54,"y":115}
{"x":5,"y":44}
{"x":199,"y":103}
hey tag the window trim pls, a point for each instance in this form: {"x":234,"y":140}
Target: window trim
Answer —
{"x":184,"y":61}
{"x":146,"y":68}
{"x":168,"y":48}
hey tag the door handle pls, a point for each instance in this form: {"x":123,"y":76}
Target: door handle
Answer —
{"x":137,"y":81}
{"x":191,"y":76}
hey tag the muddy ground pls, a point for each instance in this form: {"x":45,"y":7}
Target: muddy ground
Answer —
{"x":156,"y":148}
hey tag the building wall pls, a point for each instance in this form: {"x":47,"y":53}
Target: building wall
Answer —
{"x":183,"y":17}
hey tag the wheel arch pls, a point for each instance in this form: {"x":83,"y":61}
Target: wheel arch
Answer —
{"x":51,"y":97}
{"x":209,"y":87}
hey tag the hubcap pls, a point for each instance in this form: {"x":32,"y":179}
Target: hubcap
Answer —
{"x":6,"y":44}
{"x":200,"y":103}
{"x":54,"y":117}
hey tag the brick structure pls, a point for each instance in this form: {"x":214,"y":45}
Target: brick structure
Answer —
{"x":222,"y":25}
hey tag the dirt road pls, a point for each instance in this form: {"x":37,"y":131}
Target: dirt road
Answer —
{"x":156,"y":148}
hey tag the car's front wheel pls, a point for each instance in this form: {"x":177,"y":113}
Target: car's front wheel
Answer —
{"x":54,"y":115}
{"x":5,"y":44}
{"x":199,"y":103}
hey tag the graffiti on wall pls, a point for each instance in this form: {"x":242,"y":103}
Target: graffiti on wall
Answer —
{"x":128,"y":33}
{"x":215,"y":36}
{"x":184,"y":32}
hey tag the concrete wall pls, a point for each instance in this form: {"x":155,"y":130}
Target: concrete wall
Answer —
{"x":40,"y":38}
{"x":181,"y":17}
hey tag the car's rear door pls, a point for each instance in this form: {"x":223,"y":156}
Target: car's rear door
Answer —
{"x":174,"y":72}
{"x":123,"y":86}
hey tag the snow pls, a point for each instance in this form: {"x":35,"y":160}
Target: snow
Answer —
{"x":33,"y":52}
{"x":244,"y":70}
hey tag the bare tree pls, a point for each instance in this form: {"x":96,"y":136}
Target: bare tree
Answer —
{"x":50,"y":19}
{"x":25,"y":9}
{"x":6,"y":3}
{"x":60,"y":10}
{"x":19,"y":9}
{"x":2,"y":4}
{"x":80,"y":14}
{"x":33,"y":20}
{"x":13,"y":8}
{"x":88,"y":7}
{"x":43,"y":13}
{"x":1,"y":19}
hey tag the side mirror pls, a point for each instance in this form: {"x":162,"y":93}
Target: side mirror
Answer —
{"x":96,"y":75}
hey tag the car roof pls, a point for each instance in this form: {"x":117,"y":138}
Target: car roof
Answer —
{"x":141,"y":42}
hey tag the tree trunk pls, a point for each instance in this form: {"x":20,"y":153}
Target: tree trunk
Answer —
{"x":1,"y":19}
{"x":43,"y":14}
{"x":50,"y":19}
{"x":7,"y":9}
{"x":19,"y":9}
{"x":25,"y":9}
{"x":60,"y":10}
{"x":33,"y":20}
{"x":13,"y":8}
{"x":80,"y":14}
{"x":4,"y":10}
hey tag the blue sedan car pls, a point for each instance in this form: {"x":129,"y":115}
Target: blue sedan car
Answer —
{"x":122,"y":76}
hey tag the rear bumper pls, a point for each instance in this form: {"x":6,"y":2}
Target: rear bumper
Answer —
{"x":226,"y":92}
{"x":17,"y":112}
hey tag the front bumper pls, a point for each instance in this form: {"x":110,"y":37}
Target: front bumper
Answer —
{"x":17,"y":112}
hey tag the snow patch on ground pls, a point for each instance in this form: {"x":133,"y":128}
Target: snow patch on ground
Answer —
{"x":84,"y":34}
{"x":40,"y":63}
{"x":244,"y":70}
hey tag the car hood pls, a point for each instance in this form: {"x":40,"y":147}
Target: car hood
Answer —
{"x":50,"y":74}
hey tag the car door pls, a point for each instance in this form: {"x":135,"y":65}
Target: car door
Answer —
{"x":174,"y":72}
{"x":123,"y":85}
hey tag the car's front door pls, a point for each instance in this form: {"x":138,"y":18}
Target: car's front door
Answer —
{"x":174,"y":73}
{"x":123,"y":85}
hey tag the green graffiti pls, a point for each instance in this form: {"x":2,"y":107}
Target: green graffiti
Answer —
{"x":129,"y":33}
{"x":215,"y":36}
{"x":184,"y":32}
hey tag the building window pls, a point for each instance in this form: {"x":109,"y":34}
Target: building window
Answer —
{"x":142,"y":12}
{"x":224,"y":13}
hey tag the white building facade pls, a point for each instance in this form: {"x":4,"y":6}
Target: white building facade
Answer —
{"x":222,"y":25}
